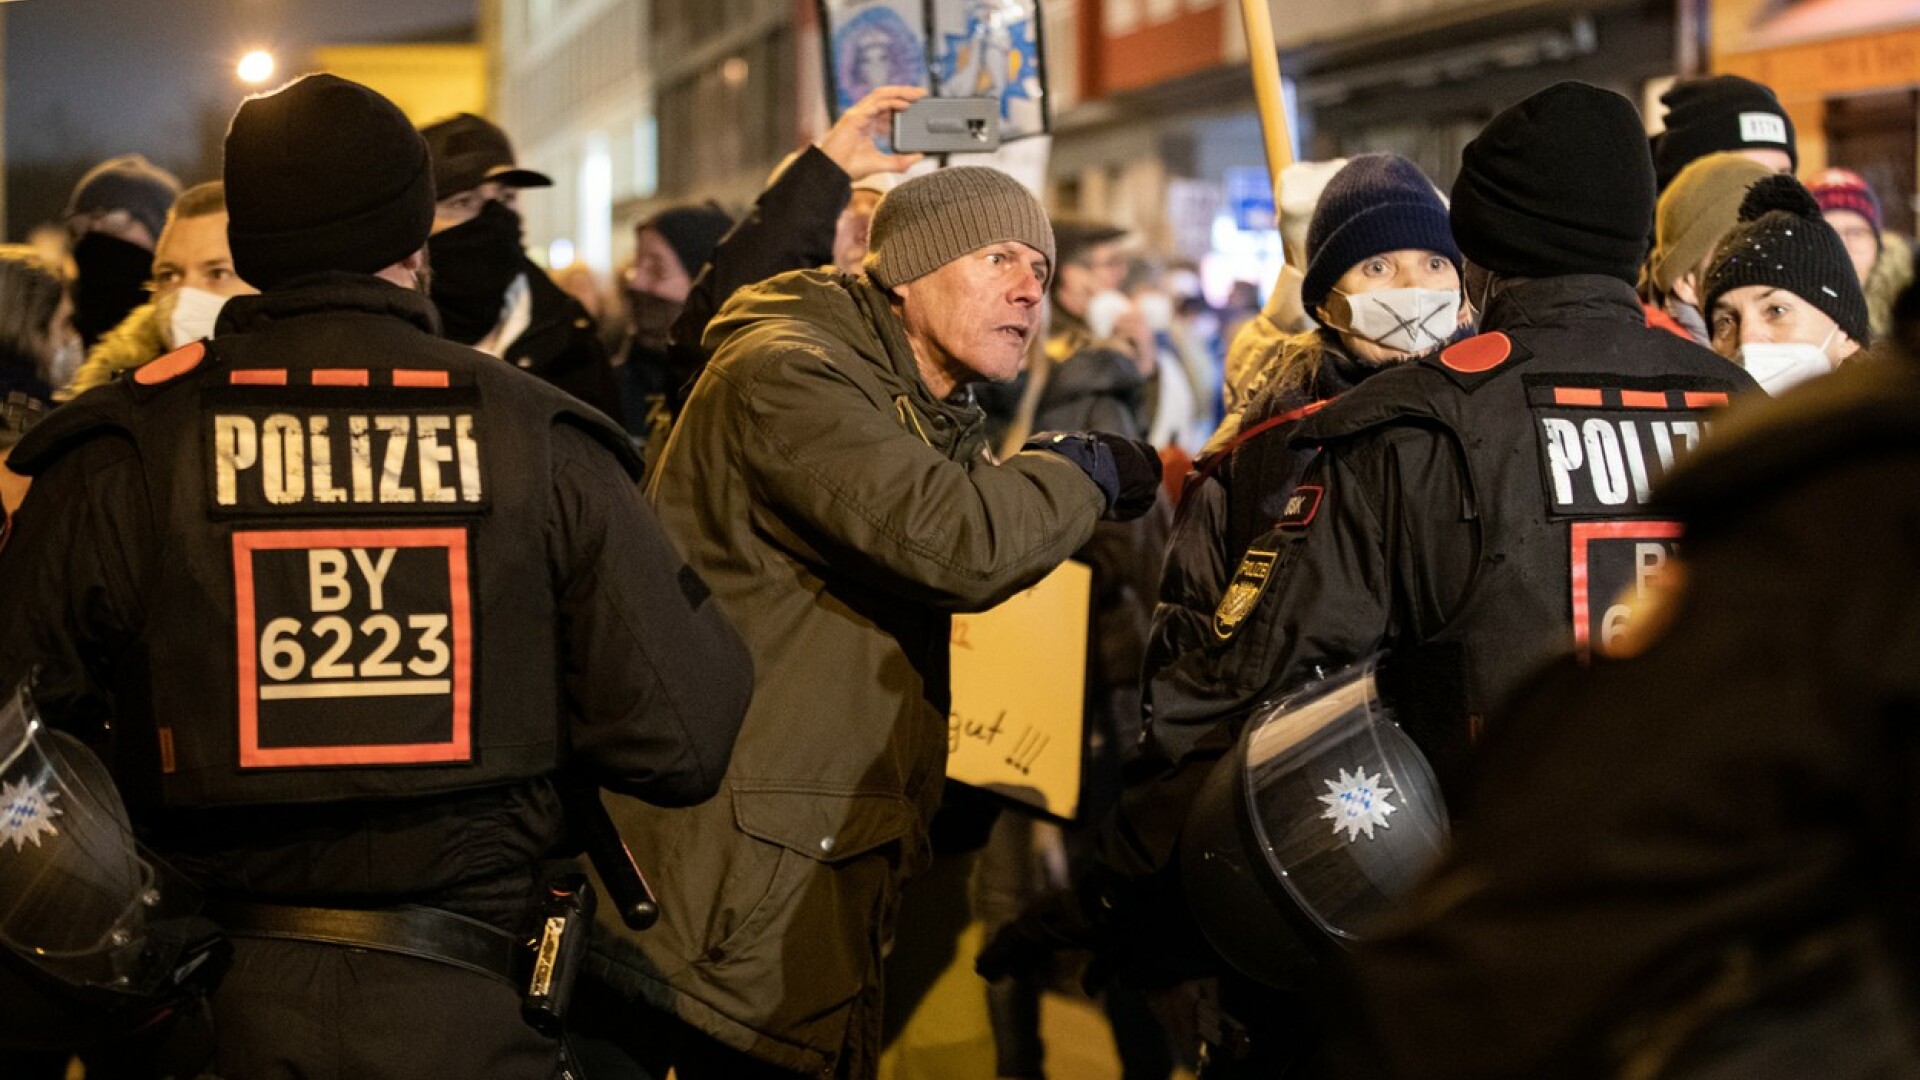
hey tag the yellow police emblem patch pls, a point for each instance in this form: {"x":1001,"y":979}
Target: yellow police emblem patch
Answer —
{"x":1249,"y":581}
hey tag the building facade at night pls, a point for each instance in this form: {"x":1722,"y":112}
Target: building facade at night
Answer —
{"x":591,"y":90}
{"x":1848,"y":72}
{"x":428,"y":80}
{"x":1153,"y":115}
{"x":1160,"y":127}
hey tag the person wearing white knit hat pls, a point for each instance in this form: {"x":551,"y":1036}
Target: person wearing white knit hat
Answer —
{"x":1285,"y":314}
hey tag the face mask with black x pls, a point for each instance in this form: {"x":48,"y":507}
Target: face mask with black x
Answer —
{"x":1411,"y":321}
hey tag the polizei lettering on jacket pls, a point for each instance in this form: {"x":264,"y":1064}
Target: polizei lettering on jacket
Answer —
{"x":1603,"y":448}
{"x":263,"y":459}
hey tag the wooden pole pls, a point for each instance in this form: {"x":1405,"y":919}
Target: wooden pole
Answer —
{"x":1265,"y":58}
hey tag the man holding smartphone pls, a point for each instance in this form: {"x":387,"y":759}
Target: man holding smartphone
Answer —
{"x":829,"y":481}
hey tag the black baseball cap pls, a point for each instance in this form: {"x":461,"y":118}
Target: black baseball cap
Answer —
{"x":468,"y":151}
{"x":1074,"y":238}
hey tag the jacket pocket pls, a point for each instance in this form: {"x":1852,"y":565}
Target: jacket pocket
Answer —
{"x":830,"y":857}
{"x":825,"y":825}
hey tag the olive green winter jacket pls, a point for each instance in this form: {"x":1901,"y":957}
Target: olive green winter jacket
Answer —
{"x":840,"y":513}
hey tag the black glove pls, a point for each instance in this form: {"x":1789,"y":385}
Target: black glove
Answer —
{"x":1055,"y":921}
{"x":1127,"y":471}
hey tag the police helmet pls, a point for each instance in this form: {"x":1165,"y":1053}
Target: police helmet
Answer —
{"x":1322,"y":816}
{"x":89,"y":926}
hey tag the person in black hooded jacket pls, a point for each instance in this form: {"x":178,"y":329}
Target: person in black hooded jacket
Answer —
{"x":113,"y":218}
{"x":489,"y":294}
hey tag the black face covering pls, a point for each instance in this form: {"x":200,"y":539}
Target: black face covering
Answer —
{"x":652,"y":318}
{"x":112,"y":281}
{"x":473,"y":263}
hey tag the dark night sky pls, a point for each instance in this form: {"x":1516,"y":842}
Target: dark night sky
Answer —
{"x":87,"y":79}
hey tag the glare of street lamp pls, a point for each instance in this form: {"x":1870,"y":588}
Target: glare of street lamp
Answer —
{"x":256,"y":67}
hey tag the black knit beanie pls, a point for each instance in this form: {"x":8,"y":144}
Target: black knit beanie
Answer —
{"x":1719,"y":112}
{"x":1783,"y":242}
{"x":131,"y":183}
{"x":1376,"y":204}
{"x":1558,"y":184}
{"x":324,"y":174}
{"x":691,"y":231}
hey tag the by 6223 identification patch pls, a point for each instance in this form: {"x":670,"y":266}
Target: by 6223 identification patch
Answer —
{"x":355,"y":646}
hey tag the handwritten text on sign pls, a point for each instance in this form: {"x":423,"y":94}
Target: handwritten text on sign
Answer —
{"x":1019,"y":683}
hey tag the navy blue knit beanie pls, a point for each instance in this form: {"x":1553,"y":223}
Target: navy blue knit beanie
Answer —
{"x":1378,"y":203}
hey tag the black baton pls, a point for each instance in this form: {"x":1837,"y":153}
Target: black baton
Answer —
{"x":626,"y":885}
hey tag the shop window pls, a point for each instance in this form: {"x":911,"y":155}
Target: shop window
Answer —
{"x":1878,"y":136}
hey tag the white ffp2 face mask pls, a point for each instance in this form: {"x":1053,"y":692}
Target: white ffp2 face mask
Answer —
{"x":194,"y":312}
{"x":1412,"y":321}
{"x":1780,"y":366}
{"x":1105,"y":310}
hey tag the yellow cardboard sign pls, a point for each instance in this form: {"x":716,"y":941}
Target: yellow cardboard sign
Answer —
{"x":1019,"y":688}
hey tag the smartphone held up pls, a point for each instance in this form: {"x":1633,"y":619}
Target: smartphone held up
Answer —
{"x":968,"y":125}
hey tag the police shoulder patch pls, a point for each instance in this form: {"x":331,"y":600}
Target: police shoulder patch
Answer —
{"x":1301,"y":506}
{"x":171,"y":366}
{"x":1482,"y":352}
{"x":1249,"y":582}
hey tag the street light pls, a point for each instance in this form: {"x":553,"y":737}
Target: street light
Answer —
{"x":256,"y":67}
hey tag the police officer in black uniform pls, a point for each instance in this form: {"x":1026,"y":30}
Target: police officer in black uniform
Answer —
{"x":341,"y":601}
{"x":1475,"y":513}
{"x":1699,"y":859}
{"x":1479,"y":512}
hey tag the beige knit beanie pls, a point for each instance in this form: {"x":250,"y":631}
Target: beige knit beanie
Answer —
{"x":1696,"y":210}
{"x":931,"y":220}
